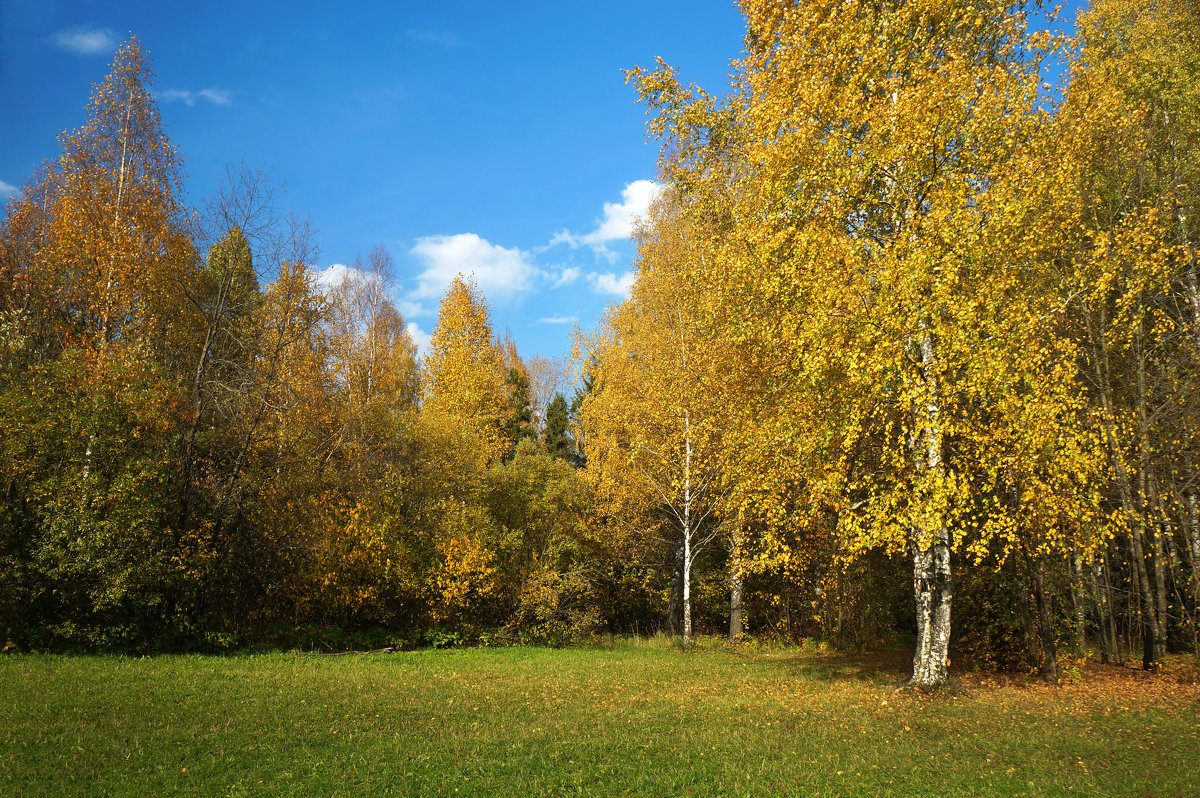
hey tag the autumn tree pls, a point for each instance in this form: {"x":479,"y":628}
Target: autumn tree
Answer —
{"x":373,"y":359}
{"x":115,"y":235}
{"x":99,"y":264}
{"x":656,"y":422}
{"x":227,"y":293}
{"x":463,"y":373}
{"x":546,"y":378}
{"x":866,"y":138}
{"x":1127,"y":175}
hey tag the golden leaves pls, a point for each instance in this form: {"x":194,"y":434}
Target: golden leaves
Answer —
{"x":464,"y":368}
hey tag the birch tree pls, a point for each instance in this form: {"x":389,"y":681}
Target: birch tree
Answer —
{"x":869,"y":136}
{"x":655,"y":422}
{"x":374,"y":363}
{"x":464,"y":373}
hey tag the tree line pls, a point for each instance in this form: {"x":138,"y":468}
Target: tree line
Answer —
{"x":915,"y":328}
{"x":907,"y":298}
{"x":205,"y":446}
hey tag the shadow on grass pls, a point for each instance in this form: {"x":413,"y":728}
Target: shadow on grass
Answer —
{"x":890,"y":667}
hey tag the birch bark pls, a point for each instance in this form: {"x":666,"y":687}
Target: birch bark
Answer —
{"x":933,"y":584}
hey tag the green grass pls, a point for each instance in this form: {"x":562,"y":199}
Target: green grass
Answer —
{"x":631,"y":719}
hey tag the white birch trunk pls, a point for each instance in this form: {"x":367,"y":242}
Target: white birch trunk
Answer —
{"x":1079,"y":606}
{"x":1193,"y":537}
{"x":87,"y":456}
{"x":736,"y":628}
{"x":932,"y":582}
{"x":1193,"y":283}
{"x":687,"y":529}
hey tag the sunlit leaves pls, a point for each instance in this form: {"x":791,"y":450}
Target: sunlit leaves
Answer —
{"x":464,"y":369}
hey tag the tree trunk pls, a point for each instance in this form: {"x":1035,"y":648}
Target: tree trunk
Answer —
{"x":735,"y":587}
{"x":1146,"y":609}
{"x":1103,"y":608}
{"x":1157,"y":562}
{"x":687,"y":529}
{"x":1193,"y":283}
{"x":1192,"y":525}
{"x":932,"y":583}
{"x":687,"y":590}
{"x":1079,"y":606}
{"x":934,"y":589}
{"x":1125,"y":488}
{"x":1046,"y":633}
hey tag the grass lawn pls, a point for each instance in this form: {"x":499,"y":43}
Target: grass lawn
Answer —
{"x":629,"y":719}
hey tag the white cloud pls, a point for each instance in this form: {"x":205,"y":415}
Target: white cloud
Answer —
{"x":83,"y":40}
{"x":410,"y":310}
{"x":8,"y":189}
{"x":558,"y":320}
{"x":499,"y":272}
{"x":609,"y":283}
{"x":619,"y":217}
{"x":171,"y":95}
{"x":419,"y":336}
{"x":566,"y":277}
{"x":332,"y":276}
{"x":214,"y":96}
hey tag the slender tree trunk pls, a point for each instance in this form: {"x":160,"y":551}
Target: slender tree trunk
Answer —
{"x":87,"y":456}
{"x":1146,"y":609}
{"x":687,"y":530}
{"x":1046,"y":633}
{"x":1114,"y":638}
{"x":1192,"y":525}
{"x":933,"y":585}
{"x":735,"y":586}
{"x":199,"y":395}
{"x":687,"y":590}
{"x":1102,"y":606}
{"x":1125,"y":488}
{"x":1155,"y":595}
{"x":1158,"y":561}
{"x":1193,"y":282}
{"x":1080,"y":607}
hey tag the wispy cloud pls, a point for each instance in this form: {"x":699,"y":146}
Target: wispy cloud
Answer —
{"x":558,"y":320}
{"x":499,"y":272}
{"x":609,"y":283}
{"x":214,"y":96}
{"x":618,"y":220}
{"x":412,"y":310}
{"x":84,"y":40}
{"x":438,"y":38}
{"x":8,"y":189}
{"x":566,"y":277}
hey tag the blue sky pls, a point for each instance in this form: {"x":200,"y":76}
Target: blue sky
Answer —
{"x":497,"y":138}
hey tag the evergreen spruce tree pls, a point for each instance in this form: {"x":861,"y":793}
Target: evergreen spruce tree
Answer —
{"x":558,"y":430}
